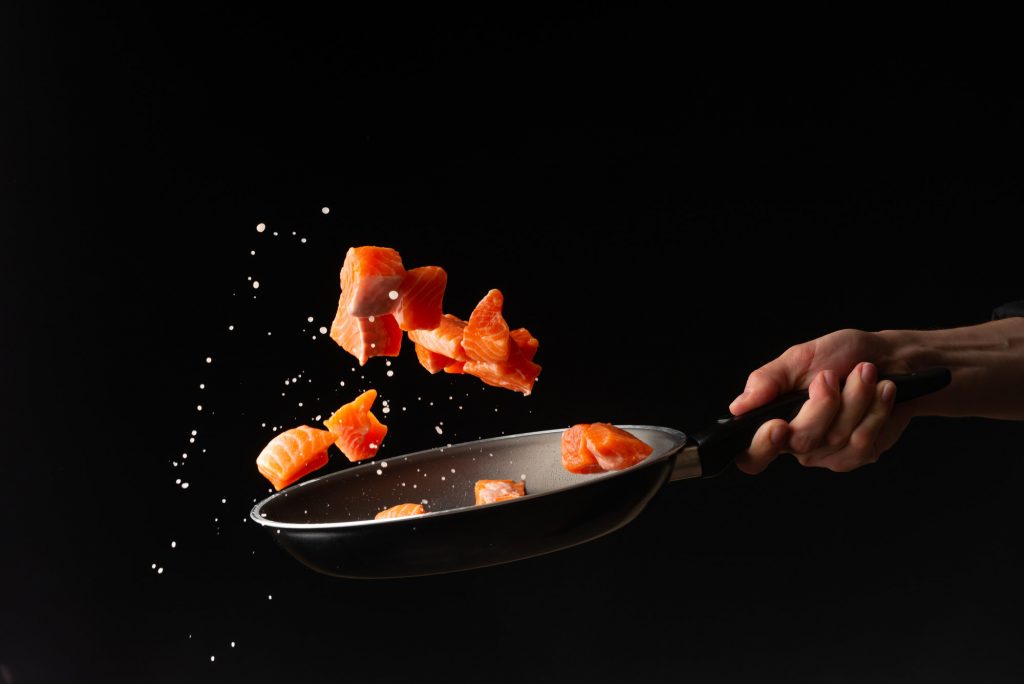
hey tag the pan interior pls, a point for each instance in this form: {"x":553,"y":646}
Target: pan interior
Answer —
{"x":442,"y":479}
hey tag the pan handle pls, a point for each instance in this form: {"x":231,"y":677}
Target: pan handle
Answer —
{"x":719,"y":444}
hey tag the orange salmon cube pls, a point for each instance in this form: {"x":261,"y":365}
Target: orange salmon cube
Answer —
{"x":445,"y":339}
{"x":293,"y":454}
{"x":486,"y":337}
{"x":419,"y":298}
{"x":576,"y":457}
{"x":357,"y":431}
{"x":491,"y":491}
{"x":400,"y":511}
{"x":368,"y":277}
{"x":614,"y":448}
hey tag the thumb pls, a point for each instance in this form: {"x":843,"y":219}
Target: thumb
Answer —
{"x":768,"y":382}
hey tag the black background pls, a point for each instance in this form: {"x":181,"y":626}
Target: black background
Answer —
{"x":667,"y":200}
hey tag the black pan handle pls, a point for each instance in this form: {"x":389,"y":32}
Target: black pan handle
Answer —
{"x":719,"y":444}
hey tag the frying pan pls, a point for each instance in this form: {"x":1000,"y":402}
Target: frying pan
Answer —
{"x":328,"y":524}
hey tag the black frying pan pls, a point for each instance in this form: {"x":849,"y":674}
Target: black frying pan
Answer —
{"x":328,"y":524}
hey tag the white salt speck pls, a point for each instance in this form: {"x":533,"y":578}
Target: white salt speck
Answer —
{"x":270,"y":597}
{"x":184,"y":485}
{"x":414,"y":486}
{"x":403,"y":408}
{"x":391,"y":373}
{"x":373,"y":445}
{"x":393,"y":295}
{"x":159,"y":571}
{"x":209,"y":359}
{"x":323,"y":329}
{"x":199,"y":407}
{"x":342,"y":383}
{"x":191,"y":440}
{"x":442,"y":478}
{"x":300,"y":403}
{"x":231,"y":327}
{"x":232,"y":644}
{"x":223,"y":501}
{"x":260,"y":227}
{"x":174,"y":545}
{"x":302,"y":240}
{"x":379,"y":471}
{"x":154,"y":566}
{"x":295,"y":379}
{"x":294,"y":233}
{"x":523,"y":476}
{"x":178,"y":481}
{"x":269,"y":333}
{"x":184,"y":457}
{"x":385,"y":410}
{"x":318,"y":416}
{"x":255,"y":284}
{"x":373,"y":345}
{"x":437,"y":428}
{"x":371,"y":319}
{"x":387,"y":363}
{"x":252,"y":252}
{"x":309,"y":319}
{"x":287,"y":381}
{"x":193,"y":433}
{"x":275,"y":233}
{"x":453,"y":470}
{"x":384,"y":464}
{"x":325,"y":210}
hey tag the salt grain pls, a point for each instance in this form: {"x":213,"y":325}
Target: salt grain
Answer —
{"x":437,"y":428}
{"x":393,"y":295}
{"x":379,"y":471}
{"x":255,"y":284}
{"x":325,"y":210}
{"x":209,"y":359}
{"x":174,"y":545}
{"x":159,"y":571}
{"x":309,"y":319}
{"x":184,"y":485}
{"x":323,"y":329}
{"x":391,"y":373}
{"x":260,"y":227}
{"x":199,"y":407}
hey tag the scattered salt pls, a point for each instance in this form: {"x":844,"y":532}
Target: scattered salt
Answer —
{"x":323,"y":329}
{"x":391,"y":373}
{"x":174,"y":544}
{"x":371,"y":319}
{"x":437,"y":428}
{"x":260,"y":227}
{"x":326,"y":210}
{"x":309,"y":319}
{"x":184,"y":485}
{"x":209,"y":359}
{"x":212,"y":658}
{"x":384,"y":464}
{"x":393,"y":295}
{"x":379,"y":471}
{"x":159,"y":571}
{"x":199,"y":407}
{"x":255,"y":284}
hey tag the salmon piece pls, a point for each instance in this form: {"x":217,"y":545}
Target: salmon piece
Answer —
{"x":492,"y":491}
{"x":293,"y":454}
{"x":526,"y":342}
{"x":518,"y":373}
{"x":357,"y":432}
{"x":445,"y":339}
{"x":433,"y":361}
{"x":419,"y":298}
{"x":400,"y":511}
{"x":366,"y":337}
{"x":614,"y":448}
{"x":576,"y":457}
{"x":455,"y":368}
{"x":486,"y":336}
{"x":368,"y":277}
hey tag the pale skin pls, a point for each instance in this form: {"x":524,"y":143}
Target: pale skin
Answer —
{"x":844,"y":428}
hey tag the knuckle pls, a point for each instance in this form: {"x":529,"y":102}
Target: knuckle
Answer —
{"x":861,"y":440}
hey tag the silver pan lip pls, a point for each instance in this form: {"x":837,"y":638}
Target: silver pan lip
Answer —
{"x":255,"y":515}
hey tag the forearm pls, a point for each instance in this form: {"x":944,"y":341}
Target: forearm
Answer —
{"x":986,"y":361}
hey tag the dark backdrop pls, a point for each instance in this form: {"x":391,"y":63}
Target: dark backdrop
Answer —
{"x":666,"y":200}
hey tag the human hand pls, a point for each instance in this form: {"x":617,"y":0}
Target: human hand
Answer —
{"x":837,"y":428}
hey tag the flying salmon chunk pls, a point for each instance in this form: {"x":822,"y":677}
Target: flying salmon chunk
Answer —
{"x":400,"y":511}
{"x":368,"y":277}
{"x":486,"y":337}
{"x":419,"y":298}
{"x":366,"y":337}
{"x":457,"y":368}
{"x":518,"y":373}
{"x":357,"y":432}
{"x":526,"y":342}
{"x":293,"y":454}
{"x":492,"y":491}
{"x":432,"y":361}
{"x":445,"y":339}
{"x":614,"y":448}
{"x":576,"y":457}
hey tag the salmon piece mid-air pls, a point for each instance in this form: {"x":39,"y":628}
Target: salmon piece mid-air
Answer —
{"x":491,"y":491}
{"x":576,"y":457}
{"x":433,"y":361}
{"x":526,"y":342}
{"x":419,"y":298}
{"x":366,"y":337}
{"x":457,"y":368}
{"x":445,"y":339}
{"x":400,"y":511}
{"x":294,"y":454}
{"x":356,"y":430}
{"x":614,"y":448}
{"x":518,"y":373}
{"x":369,"y":276}
{"x":486,"y":338}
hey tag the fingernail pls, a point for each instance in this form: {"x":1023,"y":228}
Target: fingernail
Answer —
{"x":888,"y":391}
{"x":777,"y":435}
{"x":830,"y":380}
{"x":868,"y":373}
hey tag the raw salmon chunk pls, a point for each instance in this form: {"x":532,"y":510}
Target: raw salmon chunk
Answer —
{"x":576,"y":457}
{"x":366,"y":337}
{"x":294,"y":454}
{"x":486,"y":337}
{"x":517,"y":373}
{"x":526,"y":342}
{"x":456,"y":368}
{"x":433,"y":361}
{"x":357,"y":432}
{"x":614,"y":448}
{"x":491,"y":491}
{"x":419,"y":298}
{"x":368,"y":277}
{"x":445,"y":339}
{"x":400,"y":511}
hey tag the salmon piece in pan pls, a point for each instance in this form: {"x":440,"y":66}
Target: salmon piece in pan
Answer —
{"x":293,"y":454}
{"x":420,"y":297}
{"x":445,"y":339}
{"x":491,"y":491}
{"x":576,"y":457}
{"x":486,"y":337}
{"x":614,"y":448}
{"x":369,"y":276}
{"x":400,"y":511}
{"x":356,"y":430}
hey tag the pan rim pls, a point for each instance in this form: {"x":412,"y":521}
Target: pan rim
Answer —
{"x":257,"y":517}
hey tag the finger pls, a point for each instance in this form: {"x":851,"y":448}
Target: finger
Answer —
{"x":857,"y":396}
{"x":865,"y":445}
{"x":810,"y":425}
{"x":768,"y":442}
{"x":774,"y":378}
